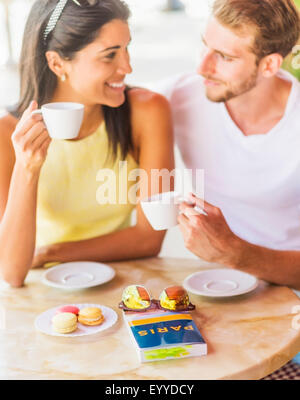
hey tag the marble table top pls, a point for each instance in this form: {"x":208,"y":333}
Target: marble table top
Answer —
{"x":248,"y":336}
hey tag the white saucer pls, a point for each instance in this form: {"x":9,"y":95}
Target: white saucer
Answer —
{"x":78,"y":275}
{"x":43,"y":322}
{"x":220,"y":283}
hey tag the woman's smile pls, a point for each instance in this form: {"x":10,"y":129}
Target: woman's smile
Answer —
{"x":115,"y":86}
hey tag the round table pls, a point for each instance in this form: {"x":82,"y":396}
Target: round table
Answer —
{"x":248,"y":336}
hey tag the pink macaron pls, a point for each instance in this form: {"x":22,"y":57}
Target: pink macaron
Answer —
{"x":69,"y":309}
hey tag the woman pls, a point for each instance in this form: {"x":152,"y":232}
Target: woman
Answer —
{"x":77,"y":51}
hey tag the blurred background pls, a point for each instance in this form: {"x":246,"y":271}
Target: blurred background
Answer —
{"x":166,"y":41}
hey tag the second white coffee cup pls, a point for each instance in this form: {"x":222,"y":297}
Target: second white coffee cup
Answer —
{"x":162,"y":210}
{"x":63,"y":120}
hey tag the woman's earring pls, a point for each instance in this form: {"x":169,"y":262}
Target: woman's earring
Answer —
{"x":63,"y":77}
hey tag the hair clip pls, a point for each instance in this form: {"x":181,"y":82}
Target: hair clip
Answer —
{"x":55,"y":16}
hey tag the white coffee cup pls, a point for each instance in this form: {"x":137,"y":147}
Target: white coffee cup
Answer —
{"x":63,"y":120}
{"x":162,"y":210}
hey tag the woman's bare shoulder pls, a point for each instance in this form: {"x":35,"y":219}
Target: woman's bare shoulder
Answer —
{"x":150,"y":116}
{"x":144,"y":100}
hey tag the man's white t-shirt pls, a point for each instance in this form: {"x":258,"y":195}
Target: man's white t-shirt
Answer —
{"x":254,"y":180}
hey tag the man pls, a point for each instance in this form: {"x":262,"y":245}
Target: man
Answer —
{"x":239,"y":121}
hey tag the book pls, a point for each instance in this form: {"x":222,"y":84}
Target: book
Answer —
{"x":163,"y":335}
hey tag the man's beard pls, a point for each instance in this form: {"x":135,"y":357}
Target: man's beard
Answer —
{"x":231,"y":93}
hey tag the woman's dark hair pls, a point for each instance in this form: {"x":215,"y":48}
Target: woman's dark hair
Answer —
{"x":76,"y":28}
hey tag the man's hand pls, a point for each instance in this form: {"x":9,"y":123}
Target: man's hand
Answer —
{"x":208,"y":236}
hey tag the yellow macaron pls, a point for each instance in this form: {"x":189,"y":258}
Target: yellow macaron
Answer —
{"x":64,"y":322}
{"x":90,"y":316}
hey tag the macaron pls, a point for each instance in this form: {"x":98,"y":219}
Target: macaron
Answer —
{"x":64,"y":322}
{"x":90,"y":316}
{"x":68,"y":309}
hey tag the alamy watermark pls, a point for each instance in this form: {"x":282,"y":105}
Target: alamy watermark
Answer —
{"x":120,"y":186}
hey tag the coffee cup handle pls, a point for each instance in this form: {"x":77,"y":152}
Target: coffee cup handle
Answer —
{"x":182,"y":199}
{"x":199,"y":210}
{"x":39,"y":111}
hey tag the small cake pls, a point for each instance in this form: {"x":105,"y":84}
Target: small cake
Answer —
{"x":64,"y":322}
{"x":68,"y":309}
{"x":90,"y":316}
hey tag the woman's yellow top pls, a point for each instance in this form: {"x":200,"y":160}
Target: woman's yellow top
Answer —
{"x":83,"y":192}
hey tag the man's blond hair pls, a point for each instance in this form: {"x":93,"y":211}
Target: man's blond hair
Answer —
{"x":275,"y":23}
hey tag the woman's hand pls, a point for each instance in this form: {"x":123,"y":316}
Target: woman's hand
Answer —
{"x":43,"y":255}
{"x":31,"y":140}
{"x":40,"y":257}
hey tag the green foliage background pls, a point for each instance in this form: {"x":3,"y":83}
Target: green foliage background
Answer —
{"x":287,"y":62}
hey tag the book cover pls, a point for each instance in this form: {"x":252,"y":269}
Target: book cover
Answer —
{"x":163,"y":335}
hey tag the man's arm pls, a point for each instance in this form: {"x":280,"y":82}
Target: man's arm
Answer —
{"x":275,"y":266}
{"x":210,"y":238}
